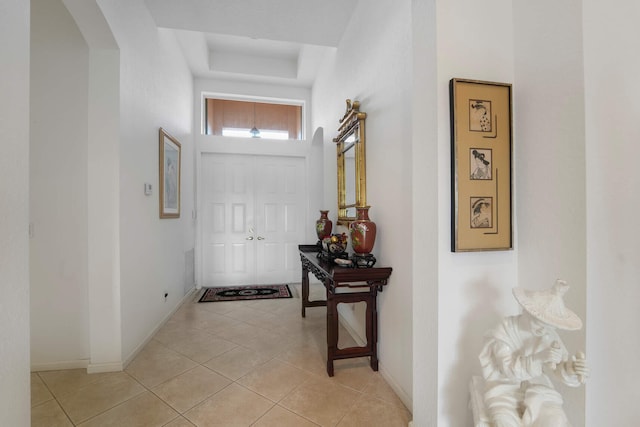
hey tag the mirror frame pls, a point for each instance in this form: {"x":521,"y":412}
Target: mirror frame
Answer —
{"x":351,"y":123}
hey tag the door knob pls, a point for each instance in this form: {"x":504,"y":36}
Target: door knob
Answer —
{"x":250,"y":238}
{"x":260,"y":238}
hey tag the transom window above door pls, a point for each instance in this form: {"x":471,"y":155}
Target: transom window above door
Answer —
{"x":249,"y":119}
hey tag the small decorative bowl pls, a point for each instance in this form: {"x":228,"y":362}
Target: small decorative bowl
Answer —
{"x":336,"y":244}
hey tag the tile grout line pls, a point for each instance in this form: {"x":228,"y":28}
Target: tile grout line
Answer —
{"x":118,"y":404}
{"x":55,"y":398}
{"x":298,"y":337}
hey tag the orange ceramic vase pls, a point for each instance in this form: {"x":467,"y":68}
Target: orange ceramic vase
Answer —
{"x":363,"y":232}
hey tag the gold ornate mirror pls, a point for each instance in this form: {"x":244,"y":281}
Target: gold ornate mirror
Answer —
{"x":352,"y":177}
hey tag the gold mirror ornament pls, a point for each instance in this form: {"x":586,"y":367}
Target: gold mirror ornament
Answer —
{"x":352,"y":176}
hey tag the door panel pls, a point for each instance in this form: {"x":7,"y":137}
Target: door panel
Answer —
{"x":239,"y":217}
{"x":228,"y":258}
{"x":253,"y":219}
{"x":280,"y":220}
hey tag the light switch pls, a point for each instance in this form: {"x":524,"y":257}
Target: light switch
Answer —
{"x":147,"y":189}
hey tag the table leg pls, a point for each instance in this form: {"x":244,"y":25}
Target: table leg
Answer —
{"x":373,"y":338}
{"x":305,"y":290}
{"x":332,"y":332}
{"x":330,"y":368}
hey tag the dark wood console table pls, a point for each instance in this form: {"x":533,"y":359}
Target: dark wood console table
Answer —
{"x":337,"y":281}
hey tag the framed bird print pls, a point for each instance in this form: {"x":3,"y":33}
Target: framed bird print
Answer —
{"x":481,"y":141}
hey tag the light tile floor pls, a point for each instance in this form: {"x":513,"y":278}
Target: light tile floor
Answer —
{"x":241,"y":363}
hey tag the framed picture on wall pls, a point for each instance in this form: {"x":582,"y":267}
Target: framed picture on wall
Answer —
{"x":480,"y":165}
{"x":169,"y":176}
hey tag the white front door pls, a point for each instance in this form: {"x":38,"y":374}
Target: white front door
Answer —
{"x":253,"y":218}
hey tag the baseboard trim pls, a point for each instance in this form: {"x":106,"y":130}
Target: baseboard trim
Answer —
{"x":59,"y":366}
{"x":140,"y":346}
{"x":347,"y":319}
{"x":98,"y":368}
{"x":94,"y":368}
{"x":404,"y":397}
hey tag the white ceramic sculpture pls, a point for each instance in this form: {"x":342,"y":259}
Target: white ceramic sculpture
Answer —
{"x":517,"y":356}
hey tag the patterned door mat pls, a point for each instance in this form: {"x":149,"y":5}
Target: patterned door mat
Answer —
{"x":233,"y":293}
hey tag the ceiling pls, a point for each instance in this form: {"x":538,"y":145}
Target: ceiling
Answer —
{"x":271,"y":41}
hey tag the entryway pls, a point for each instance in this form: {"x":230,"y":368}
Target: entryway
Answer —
{"x":252,"y":219}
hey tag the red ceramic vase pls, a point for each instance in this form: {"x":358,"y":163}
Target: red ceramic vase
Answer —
{"x":363,"y":231}
{"x":323,"y":226}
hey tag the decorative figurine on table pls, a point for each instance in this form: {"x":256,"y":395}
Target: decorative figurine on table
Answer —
{"x":517,"y":357}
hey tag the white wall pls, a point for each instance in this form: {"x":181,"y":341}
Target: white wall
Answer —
{"x":102,"y":187}
{"x":550,"y":160}
{"x":14,"y":211}
{"x":425,"y":213}
{"x":156,"y":90}
{"x":474,"y":41}
{"x":612,"y":65}
{"x":373,"y":65}
{"x":58,"y":189}
{"x":538,"y":49}
{"x":102,"y":259}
